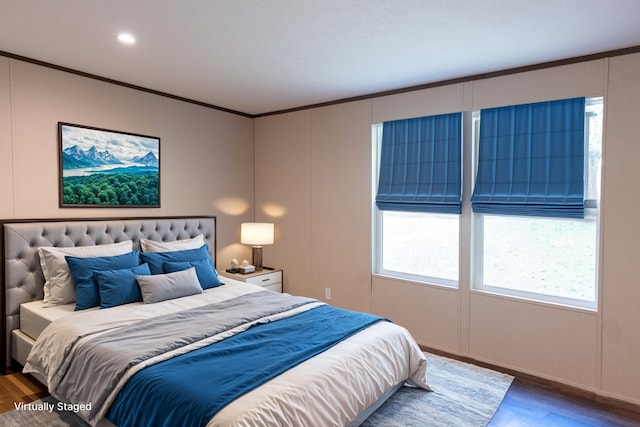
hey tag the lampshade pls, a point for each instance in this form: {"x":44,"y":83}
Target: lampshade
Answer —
{"x":256,"y":233}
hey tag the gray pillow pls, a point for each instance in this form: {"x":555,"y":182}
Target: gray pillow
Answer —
{"x":161,"y":287}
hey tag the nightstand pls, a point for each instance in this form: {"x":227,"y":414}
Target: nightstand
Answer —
{"x":270,"y":279}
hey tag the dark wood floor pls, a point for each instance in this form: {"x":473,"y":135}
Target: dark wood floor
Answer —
{"x":526,"y":404}
{"x":17,"y":387}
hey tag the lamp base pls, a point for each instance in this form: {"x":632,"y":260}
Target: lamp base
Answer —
{"x":256,"y":254}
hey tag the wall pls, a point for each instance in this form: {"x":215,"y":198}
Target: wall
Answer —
{"x":308,"y":164}
{"x":621,"y":232}
{"x":202,"y":150}
{"x":283,"y":181}
{"x":316,"y":166}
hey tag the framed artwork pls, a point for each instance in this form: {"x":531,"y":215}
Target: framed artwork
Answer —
{"x":106,"y":168}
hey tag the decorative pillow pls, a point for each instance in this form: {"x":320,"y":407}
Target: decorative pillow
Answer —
{"x":161,"y":287}
{"x":207,"y":275}
{"x":177,"y":245}
{"x":82,"y":270}
{"x":58,"y":286}
{"x":118,"y":287}
{"x":156,"y":260}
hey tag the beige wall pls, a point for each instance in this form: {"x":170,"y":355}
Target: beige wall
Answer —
{"x":317,"y":163}
{"x":6,"y":165}
{"x":283,"y":181}
{"x":308,"y":164}
{"x":621,"y":231}
{"x":202,"y":150}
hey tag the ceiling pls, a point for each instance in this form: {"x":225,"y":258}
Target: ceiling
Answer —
{"x":261,"y":56}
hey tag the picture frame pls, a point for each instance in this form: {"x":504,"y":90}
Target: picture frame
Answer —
{"x":107,"y":168}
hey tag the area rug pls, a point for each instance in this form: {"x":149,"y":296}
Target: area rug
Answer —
{"x":464,"y":396}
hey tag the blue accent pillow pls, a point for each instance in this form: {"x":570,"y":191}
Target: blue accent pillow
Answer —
{"x":82,"y":270}
{"x":118,"y":287}
{"x":207,"y":275}
{"x":156,"y":260}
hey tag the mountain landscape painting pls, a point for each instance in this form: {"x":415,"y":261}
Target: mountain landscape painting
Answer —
{"x":104,"y":168}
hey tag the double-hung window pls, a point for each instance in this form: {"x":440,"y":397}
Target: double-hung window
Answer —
{"x":418,"y":198}
{"x":533,"y":227}
{"x":536,"y":201}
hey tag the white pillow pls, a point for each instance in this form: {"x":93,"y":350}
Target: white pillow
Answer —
{"x":58,"y":286}
{"x":177,"y":245}
{"x":161,"y":287}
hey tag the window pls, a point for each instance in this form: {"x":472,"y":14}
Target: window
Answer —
{"x":548,"y":259}
{"x":417,"y":186}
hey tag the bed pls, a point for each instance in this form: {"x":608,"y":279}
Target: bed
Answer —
{"x":124,"y":361}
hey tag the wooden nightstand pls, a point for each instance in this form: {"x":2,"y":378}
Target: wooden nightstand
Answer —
{"x":270,"y":279}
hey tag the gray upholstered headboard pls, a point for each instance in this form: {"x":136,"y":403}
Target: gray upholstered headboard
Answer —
{"x":22,"y":279}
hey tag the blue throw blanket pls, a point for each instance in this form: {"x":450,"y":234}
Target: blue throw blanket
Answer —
{"x":190,"y":389}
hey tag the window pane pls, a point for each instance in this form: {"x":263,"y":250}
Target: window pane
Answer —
{"x":541,"y":255}
{"x":420,"y":244}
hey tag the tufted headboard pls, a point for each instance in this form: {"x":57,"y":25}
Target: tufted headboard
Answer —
{"x":22,"y":279}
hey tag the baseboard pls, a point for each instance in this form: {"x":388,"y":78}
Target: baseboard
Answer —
{"x":543,"y":382}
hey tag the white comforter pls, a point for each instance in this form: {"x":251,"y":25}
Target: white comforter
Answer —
{"x":331,"y":389}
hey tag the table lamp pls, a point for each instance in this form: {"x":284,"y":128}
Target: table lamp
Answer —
{"x":256,"y":234}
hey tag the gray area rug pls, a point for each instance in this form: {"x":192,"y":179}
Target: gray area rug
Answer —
{"x":464,"y":396}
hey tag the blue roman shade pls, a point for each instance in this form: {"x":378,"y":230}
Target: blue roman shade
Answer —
{"x":421,"y":165}
{"x":531,"y":160}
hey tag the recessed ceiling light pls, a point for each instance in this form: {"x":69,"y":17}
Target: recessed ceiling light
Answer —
{"x":126,"y":38}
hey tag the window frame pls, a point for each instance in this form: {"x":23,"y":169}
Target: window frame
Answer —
{"x":591,"y":213}
{"x":378,"y":227}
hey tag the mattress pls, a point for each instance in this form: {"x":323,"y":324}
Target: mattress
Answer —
{"x":35,"y":317}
